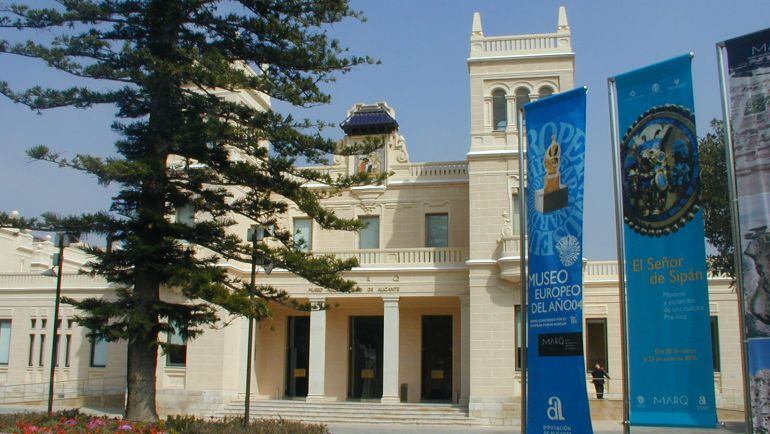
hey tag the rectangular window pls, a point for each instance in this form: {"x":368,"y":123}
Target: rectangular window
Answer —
{"x":369,"y":237}
{"x":98,"y":353}
{"x":70,"y":323}
{"x":31,"y":358}
{"x":715,"y":343}
{"x":32,"y":323}
{"x":67,"y":345}
{"x":436,"y":230}
{"x":515,"y":222}
{"x":185,"y":215}
{"x":43,"y":323}
{"x":56,"y":348}
{"x":176,"y":353}
{"x":596,"y":343}
{"x":303,"y":233}
{"x":519,"y":331}
{"x":5,"y":341}
{"x":41,"y":350}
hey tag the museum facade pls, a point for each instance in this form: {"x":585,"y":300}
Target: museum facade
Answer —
{"x":437,"y":319}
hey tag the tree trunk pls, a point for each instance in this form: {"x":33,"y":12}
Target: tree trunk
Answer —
{"x":142,"y":362}
{"x":143,"y":354}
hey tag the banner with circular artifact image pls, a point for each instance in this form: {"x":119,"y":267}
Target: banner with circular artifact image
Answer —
{"x":671,"y":376}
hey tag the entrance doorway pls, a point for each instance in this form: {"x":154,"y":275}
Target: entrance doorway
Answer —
{"x":437,"y":358}
{"x":297,"y":356}
{"x":365,"y":357}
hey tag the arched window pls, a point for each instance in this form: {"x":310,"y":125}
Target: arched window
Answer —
{"x":499,"y":110}
{"x":545,"y":91}
{"x":522,"y":97}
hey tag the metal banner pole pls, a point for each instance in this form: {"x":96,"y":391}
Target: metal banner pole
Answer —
{"x":62,"y":242}
{"x":734,"y":215}
{"x":615,"y":140}
{"x":252,"y":235}
{"x":523,"y":270}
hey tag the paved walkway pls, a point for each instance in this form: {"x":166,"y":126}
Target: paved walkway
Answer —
{"x":600,"y":427}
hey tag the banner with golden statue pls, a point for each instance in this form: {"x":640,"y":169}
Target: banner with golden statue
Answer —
{"x":557,"y":399}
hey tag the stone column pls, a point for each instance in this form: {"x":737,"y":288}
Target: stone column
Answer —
{"x":465,"y":349}
{"x":390,"y":351}
{"x":317,"y":368}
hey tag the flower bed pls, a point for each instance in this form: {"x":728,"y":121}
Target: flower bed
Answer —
{"x":72,"y":421}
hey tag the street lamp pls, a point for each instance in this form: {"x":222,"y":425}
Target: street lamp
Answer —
{"x":255,"y":235}
{"x":61,"y":241}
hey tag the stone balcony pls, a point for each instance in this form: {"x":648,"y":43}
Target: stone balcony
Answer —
{"x":509,"y":260}
{"x":601,"y":271}
{"x":450,"y":171}
{"x":409,"y":173}
{"x":427,"y":258}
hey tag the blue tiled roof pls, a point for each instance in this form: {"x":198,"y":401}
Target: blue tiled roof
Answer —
{"x":369,"y":122}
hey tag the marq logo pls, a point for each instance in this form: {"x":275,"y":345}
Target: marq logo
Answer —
{"x":554,"y":411}
{"x":673,"y":400}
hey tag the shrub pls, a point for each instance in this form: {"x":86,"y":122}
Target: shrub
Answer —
{"x":72,"y":421}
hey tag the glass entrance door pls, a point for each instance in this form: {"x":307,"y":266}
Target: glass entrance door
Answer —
{"x":365,"y":357}
{"x":436,"y":358}
{"x":297,"y":356}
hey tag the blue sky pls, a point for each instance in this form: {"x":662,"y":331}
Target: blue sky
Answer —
{"x":423,"y":46}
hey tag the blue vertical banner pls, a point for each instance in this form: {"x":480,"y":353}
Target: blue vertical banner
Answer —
{"x":749,"y":91}
{"x":557,"y":399}
{"x":671,"y":371}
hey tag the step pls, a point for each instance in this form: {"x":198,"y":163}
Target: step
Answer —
{"x":378,"y":409}
{"x":347,"y":412}
{"x":330,"y":419}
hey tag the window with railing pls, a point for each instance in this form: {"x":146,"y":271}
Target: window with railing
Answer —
{"x":437,"y":230}
{"x":303,"y":232}
{"x":369,"y":236}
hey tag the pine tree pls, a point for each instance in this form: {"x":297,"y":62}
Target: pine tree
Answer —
{"x":184,"y":149}
{"x":716,"y":200}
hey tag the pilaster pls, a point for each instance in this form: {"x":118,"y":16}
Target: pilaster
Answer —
{"x":390,"y":350}
{"x":317,"y":368}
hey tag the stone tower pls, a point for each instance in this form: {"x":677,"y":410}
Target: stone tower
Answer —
{"x":505,"y":73}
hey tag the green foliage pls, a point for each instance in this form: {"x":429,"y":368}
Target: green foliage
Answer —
{"x":165,"y":66}
{"x":716,"y":200}
{"x":188,"y":424}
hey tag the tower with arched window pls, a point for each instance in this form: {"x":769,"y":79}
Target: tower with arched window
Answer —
{"x":505,"y":72}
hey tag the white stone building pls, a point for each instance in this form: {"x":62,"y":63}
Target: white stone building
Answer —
{"x":437,"y":319}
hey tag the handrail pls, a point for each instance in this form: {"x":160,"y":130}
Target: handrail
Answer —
{"x":31,"y":392}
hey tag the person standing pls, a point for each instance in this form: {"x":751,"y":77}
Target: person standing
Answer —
{"x":599,"y":374}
